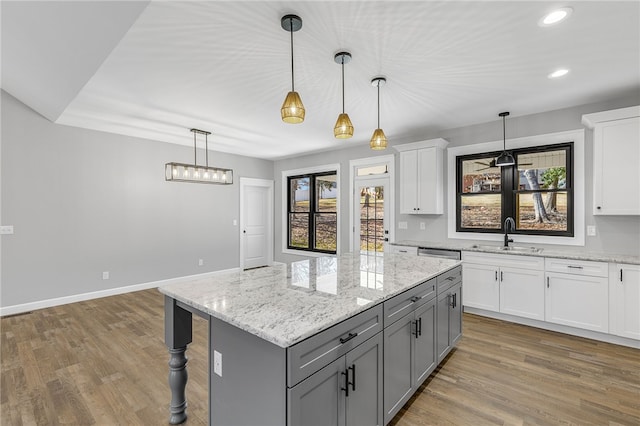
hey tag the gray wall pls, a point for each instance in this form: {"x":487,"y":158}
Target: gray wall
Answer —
{"x":83,"y":202}
{"x":615,"y":234}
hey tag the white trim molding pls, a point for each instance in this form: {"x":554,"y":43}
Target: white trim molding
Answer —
{"x":57,"y":301}
{"x":575,"y":136}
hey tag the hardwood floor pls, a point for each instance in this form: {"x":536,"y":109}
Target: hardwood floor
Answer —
{"x":104,"y":362}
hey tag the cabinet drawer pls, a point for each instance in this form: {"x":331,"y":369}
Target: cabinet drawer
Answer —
{"x":404,"y":250}
{"x":400,"y":305}
{"x":449,"y":278}
{"x":310,"y":355}
{"x":577,"y":267}
{"x":510,"y":260}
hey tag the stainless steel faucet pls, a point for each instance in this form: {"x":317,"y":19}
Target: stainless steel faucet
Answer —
{"x":508,"y":223}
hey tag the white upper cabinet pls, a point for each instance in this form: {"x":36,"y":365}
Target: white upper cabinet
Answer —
{"x":616,"y":155}
{"x":422,"y":177}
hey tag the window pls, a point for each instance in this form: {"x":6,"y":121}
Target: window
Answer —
{"x":312,"y":221}
{"x":537,"y":191}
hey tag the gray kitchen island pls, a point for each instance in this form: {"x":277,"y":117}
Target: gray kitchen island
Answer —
{"x":342,"y":340}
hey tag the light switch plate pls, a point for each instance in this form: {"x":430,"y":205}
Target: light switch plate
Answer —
{"x":423,"y":226}
{"x":6,"y":229}
{"x":402,"y":225}
{"x":591,"y":231}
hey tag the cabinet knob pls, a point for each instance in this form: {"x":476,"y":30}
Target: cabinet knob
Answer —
{"x":598,"y":207}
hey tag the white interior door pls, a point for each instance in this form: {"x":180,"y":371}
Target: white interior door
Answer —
{"x":256,"y":223}
{"x":371,"y":221}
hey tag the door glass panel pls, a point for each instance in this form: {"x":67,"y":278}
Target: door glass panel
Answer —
{"x":481,"y":211}
{"x":326,"y":231}
{"x":372,"y":218}
{"x":542,"y":211}
{"x":299,"y":230}
{"x":372,"y":170}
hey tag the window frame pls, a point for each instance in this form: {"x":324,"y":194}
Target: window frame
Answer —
{"x":329,"y":169}
{"x":312,"y":213}
{"x":509,"y":180}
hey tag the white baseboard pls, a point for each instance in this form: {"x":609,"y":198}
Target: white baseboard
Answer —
{"x":48,"y":303}
{"x":595,"y":335}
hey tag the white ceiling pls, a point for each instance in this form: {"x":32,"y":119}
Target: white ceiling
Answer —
{"x":156,"y":69}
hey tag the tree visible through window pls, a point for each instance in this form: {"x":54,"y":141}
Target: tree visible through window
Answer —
{"x":537,"y":191}
{"x":312,"y":212}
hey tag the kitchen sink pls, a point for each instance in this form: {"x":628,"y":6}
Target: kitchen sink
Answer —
{"x":513,"y":249}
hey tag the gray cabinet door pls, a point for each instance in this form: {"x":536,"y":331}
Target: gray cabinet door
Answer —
{"x":319,"y":399}
{"x":425,"y":343}
{"x":364,"y":403}
{"x":455,"y":315}
{"x":442,"y":338}
{"x":397,"y":365}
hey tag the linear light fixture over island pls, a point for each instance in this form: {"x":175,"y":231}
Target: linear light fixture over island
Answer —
{"x":183,"y":172}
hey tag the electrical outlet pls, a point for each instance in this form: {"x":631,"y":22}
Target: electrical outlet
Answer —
{"x":402,"y":225}
{"x":423,"y":226}
{"x":200,"y":262}
{"x":217,"y":363}
{"x":591,"y":231}
{"x":235,"y":222}
{"x":105,"y":275}
{"x":6,"y":229}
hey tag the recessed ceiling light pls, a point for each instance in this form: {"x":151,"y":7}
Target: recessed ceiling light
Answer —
{"x":555,"y":17}
{"x":558,"y":73}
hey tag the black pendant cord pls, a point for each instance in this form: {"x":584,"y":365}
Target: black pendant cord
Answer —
{"x":504,"y":134}
{"x":195,"y":151}
{"x":343,"y":84}
{"x":291,"y":32}
{"x":378,"y":104}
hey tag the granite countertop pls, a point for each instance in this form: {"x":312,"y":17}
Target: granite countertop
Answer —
{"x":559,"y":253}
{"x":287,"y":303}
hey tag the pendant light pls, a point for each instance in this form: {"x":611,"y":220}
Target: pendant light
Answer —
{"x":292,"y":110}
{"x":378,"y":140}
{"x":505,"y":159}
{"x":182,"y":172}
{"x":343,"y":128}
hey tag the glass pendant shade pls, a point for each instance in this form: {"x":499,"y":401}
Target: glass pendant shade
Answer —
{"x":292,"y":110}
{"x":378,"y":140}
{"x":343,"y":128}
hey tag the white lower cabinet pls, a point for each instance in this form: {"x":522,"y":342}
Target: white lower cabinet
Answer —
{"x":577,"y":301}
{"x":577,"y":295}
{"x":624,"y":300}
{"x":510,"y":284}
{"x":481,"y":286}
{"x":522,"y":292}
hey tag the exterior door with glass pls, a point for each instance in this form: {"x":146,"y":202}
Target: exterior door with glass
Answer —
{"x":371,"y":231}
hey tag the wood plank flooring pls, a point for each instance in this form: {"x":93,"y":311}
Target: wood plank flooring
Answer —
{"x":104,"y":362}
